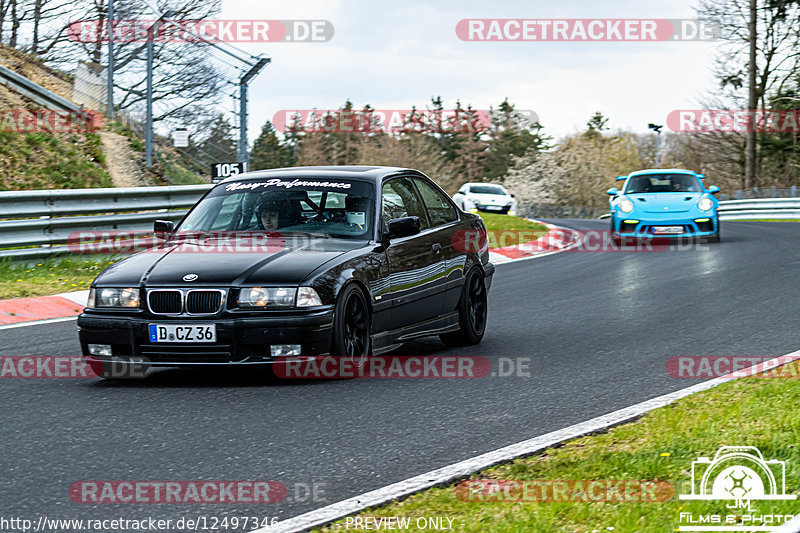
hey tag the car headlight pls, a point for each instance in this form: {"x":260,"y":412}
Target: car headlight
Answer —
{"x":127,"y":297}
{"x":705,"y":203}
{"x":266,"y":297}
{"x":307,"y":297}
{"x":625,"y":205}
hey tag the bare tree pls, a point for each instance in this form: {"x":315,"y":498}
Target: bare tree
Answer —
{"x":759,"y":52}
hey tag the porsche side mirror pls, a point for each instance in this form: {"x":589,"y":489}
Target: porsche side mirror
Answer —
{"x":613,"y":191}
{"x":163,"y":227}
{"x":404,"y":227}
{"x":713,"y":189}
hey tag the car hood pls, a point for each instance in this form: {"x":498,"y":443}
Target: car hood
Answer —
{"x":660,"y":202}
{"x":287,"y":264}
{"x":490,"y":198}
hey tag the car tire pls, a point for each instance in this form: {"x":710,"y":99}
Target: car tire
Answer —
{"x":119,"y":371}
{"x":352,"y":326}
{"x":472,"y":312}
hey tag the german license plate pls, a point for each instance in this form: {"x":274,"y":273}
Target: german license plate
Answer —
{"x":494,"y":207}
{"x":667,"y":230}
{"x":183,"y":333}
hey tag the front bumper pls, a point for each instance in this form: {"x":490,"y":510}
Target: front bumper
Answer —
{"x":240,"y":340}
{"x":500,"y":209}
{"x":644,"y":227}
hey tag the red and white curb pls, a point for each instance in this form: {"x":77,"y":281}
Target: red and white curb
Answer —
{"x":36,"y":310}
{"x":557,"y":239}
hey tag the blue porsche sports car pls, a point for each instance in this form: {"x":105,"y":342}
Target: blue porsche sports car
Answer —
{"x":664,"y":203}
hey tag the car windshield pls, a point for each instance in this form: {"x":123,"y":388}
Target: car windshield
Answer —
{"x":486,"y":189}
{"x":662,"y":183}
{"x":333,"y":207}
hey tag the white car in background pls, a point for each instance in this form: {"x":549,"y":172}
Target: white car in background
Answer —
{"x":487,"y":197}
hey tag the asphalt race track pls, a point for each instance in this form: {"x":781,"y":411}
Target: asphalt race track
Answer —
{"x":598,"y":329}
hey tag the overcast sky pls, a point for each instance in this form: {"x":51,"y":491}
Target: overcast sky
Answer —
{"x":393,"y":55}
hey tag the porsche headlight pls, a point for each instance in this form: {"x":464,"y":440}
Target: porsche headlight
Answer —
{"x":625,"y":205}
{"x":266,"y":297}
{"x":127,"y":297}
{"x":705,"y":203}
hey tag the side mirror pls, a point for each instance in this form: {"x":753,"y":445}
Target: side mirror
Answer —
{"x":404,"y":227}
{"x":163,"y":227}
{"x":620,"y":178}
{"x":613,"y":191}
{"x":713,"y":189}
{"x":701,"y":176}
{"x":512,"y":195}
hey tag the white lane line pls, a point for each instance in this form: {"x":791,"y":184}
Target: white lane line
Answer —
{"x":454,"y":471}
{"x":38,"y":322}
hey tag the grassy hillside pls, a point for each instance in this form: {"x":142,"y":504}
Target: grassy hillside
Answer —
{"x":47,"y":160}
{"x":51,"y":161}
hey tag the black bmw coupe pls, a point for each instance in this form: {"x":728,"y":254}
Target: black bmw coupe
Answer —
{"x":295,"y":263}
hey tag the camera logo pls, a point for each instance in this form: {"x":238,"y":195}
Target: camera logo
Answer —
{"x":738,"y":473}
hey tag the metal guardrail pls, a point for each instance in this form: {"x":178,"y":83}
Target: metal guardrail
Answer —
{"x":46,"y":218}
{"x":761,"y":192}
{"x":777,"y":208}
{"x":39,"y":223}
{"x":36,"y":92}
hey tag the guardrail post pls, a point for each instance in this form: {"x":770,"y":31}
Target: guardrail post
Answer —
{"x":794,"y":191}
{"x":738,"y":195}
{"x":774,"y":191}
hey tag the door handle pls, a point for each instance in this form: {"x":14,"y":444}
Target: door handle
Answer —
{"x":436,"y":247}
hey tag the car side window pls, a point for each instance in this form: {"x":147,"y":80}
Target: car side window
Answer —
{"x":440,"y":210}
{"x":399,"y":199}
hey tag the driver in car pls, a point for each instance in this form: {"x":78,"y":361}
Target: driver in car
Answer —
{"x":269,"y":218}
{"x":270,"y":212}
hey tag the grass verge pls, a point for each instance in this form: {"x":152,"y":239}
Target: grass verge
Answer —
{"x":661,"y":446}
{"x":21,"y":279}
{"x":506,"y":230}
